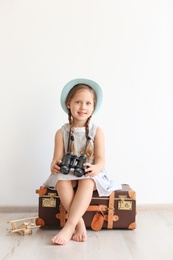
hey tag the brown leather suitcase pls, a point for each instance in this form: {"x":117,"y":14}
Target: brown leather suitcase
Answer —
{"x":117,"y":211}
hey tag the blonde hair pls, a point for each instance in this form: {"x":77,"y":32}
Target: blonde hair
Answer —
{"x":89,"y":151}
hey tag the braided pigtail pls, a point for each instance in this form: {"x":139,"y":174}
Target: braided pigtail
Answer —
{"x":71,"y":146}
{"x":89,"y":151}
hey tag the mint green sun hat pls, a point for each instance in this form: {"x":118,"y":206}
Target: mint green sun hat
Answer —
{"x":97,"y":89}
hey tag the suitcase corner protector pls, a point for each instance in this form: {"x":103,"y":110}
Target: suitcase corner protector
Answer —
{"x":132,"y":225}
{"x":40,"y":222}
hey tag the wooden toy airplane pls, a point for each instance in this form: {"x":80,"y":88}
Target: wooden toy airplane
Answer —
{"x":25,"y":227}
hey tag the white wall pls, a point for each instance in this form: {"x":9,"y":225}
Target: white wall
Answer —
{"x":124,"y":45}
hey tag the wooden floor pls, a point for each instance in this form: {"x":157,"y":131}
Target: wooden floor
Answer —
{"x":151,"y":240}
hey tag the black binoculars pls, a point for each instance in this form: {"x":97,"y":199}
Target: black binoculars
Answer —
{"x":72,"y":161}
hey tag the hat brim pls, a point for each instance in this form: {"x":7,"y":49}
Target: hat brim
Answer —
{"x":97,"y":89}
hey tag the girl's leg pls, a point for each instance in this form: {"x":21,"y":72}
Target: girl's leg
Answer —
{"x":66,"y":193}
{"x":81,"y":233}
{"x":79,"y":204}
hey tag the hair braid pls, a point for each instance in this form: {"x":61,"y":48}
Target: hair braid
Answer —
{"x":72,"y":147}
{"x":89,"y":148}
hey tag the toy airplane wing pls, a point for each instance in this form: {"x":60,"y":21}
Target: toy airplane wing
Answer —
{"x":24,"y":227}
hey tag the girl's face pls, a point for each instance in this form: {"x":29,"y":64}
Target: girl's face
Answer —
{"x":81,"y":106}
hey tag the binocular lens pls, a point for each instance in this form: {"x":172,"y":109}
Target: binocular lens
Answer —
{"x":71,"y":161}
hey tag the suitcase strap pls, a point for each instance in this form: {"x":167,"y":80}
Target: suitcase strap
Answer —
{"x":98,"y":218}
{"x":63,"y":215}
{"x":111,"y":210}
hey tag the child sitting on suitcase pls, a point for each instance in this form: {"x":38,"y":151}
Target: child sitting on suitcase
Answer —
{"x":79,"y":158}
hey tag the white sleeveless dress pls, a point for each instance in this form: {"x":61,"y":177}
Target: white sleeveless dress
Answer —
{"x":104,"y":185}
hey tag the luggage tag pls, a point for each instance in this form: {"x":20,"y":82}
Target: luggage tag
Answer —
{"x":97,"y":221}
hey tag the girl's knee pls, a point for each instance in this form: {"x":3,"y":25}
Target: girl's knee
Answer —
{"x":62,"y":184}
{"x":65,"y":183}
{"x":88,"y":182}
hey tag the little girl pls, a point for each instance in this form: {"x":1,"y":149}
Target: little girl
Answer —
{"x":80,"y":99}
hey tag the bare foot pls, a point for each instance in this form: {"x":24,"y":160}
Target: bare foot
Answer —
{"x":81,"y":234}
{"x":63,"y":236}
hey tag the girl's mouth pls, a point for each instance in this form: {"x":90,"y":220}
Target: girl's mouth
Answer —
{"x":81,"y":113}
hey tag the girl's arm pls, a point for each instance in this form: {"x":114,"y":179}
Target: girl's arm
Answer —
{"x":58,"y":152}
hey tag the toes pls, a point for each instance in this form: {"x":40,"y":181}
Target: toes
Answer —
{"x":58,"y":241}
{"x":79,"y":238}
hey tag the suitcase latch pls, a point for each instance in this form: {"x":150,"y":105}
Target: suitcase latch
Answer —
{"x":49,"y":202}
{"x":123,"y":204}
{"x":52,"y":194}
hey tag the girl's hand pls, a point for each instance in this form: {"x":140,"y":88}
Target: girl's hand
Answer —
{"x":55,"y":167}
{"x":91,"y":169}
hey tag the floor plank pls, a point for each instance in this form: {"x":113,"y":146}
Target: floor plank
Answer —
{"x":152,"y":239}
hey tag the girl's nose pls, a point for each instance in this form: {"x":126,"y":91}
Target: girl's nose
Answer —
{"x":83,"y":106}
